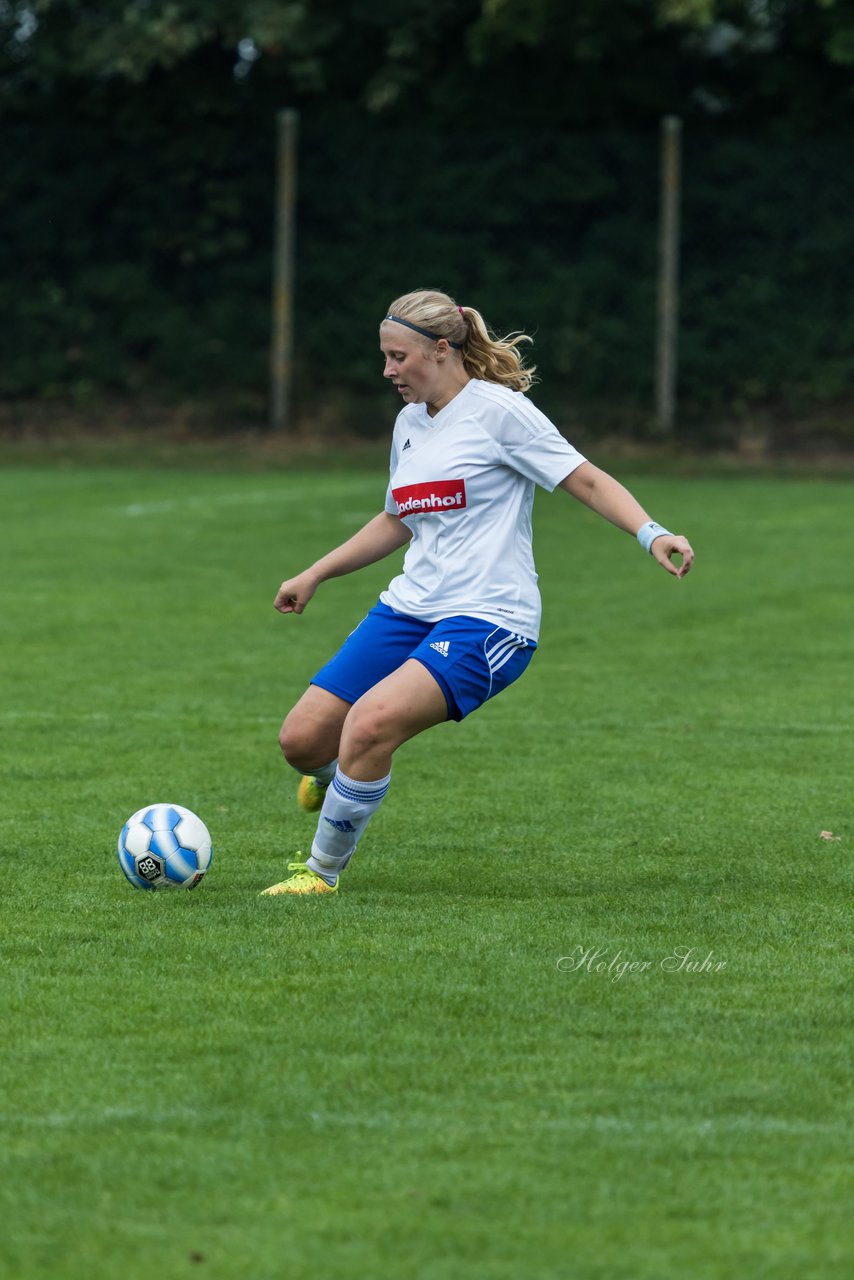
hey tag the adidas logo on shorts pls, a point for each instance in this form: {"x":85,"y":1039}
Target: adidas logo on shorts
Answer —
{"x":441,"y":646}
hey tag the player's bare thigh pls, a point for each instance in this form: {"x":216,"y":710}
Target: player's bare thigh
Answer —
{"x":311,"y":732}
{"x":393,"y":711}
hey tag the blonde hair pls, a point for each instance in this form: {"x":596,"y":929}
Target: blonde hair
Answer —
{"x":484,"y":355}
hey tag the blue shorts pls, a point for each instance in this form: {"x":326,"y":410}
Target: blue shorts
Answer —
{"x":470,"y":659}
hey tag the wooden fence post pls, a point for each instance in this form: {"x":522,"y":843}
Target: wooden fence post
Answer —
{"x":668,"y":274}
{"x":281,"y":347}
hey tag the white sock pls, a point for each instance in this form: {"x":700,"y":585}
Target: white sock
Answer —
{"x":324,"y":774}
{"x":347,"y":809}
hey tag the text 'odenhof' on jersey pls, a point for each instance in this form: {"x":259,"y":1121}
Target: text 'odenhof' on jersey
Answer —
{"x":431,"y":495}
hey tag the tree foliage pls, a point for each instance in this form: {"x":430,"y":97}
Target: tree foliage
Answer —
{"x":387,"y":51}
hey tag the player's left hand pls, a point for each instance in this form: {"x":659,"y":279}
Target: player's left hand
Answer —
{"x":668,"y":545}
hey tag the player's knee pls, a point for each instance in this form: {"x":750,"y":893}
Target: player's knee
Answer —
{"x":365,"y":731}
{"x":297,"y":746}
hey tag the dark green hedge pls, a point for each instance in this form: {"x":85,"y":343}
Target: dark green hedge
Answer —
{"x":135,"y":253}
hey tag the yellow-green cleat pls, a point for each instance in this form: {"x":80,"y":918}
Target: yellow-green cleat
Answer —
{"x":310,"y":794}
{"x":303,"y":881}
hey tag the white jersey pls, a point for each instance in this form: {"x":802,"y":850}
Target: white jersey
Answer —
{"x":463,"y":483}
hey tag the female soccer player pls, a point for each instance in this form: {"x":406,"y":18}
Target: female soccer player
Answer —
{"x":460,"y":623}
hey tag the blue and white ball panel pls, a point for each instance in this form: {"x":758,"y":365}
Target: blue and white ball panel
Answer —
{"x":136,"y":838}
{"x":163,"y":817}
{"x":128,"y":867}
{"x":191,"y":833}
{"x":133,"y":841}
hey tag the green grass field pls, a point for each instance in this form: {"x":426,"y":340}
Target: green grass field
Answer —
{"x":416,"y":1078}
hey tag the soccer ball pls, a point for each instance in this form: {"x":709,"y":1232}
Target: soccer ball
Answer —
{"x":164,"y":846}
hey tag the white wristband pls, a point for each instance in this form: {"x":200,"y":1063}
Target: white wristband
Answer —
{"x":648,"y":533}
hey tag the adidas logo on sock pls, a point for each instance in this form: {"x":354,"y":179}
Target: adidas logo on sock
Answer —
{"x":339,"y":824}
{"x":441,"y":646}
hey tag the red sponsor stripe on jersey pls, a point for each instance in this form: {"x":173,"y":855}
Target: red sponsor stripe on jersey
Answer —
{"x":433,"y":495}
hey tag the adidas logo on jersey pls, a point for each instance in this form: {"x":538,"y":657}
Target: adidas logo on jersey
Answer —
{"x":441,"y":646}
{"x":405,"y":447}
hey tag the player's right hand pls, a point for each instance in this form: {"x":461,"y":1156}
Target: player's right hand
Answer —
{"x":294,"y":593}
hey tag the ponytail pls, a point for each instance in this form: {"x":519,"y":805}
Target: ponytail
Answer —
{"x":484,"y":356}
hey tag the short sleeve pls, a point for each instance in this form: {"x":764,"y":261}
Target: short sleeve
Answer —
{"x":532,"y":445}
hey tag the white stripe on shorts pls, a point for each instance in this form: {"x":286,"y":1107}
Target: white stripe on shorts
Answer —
{"x":501,"y":651}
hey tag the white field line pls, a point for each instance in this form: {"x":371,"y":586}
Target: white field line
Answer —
{"x":190,"y":503}
{"x":250,"y":498}
{"x":104,"y":717}
{"x":746,"y":1124}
